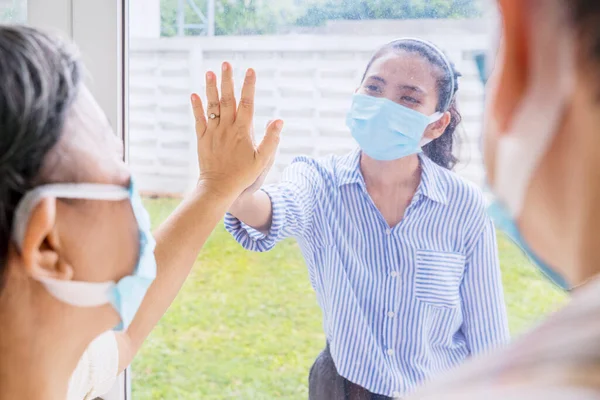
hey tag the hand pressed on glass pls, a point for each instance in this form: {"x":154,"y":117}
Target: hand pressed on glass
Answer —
{"x":229,"y":160}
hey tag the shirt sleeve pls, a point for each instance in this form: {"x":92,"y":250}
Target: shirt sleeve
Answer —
{"x":293,"y":203}
{"x":96,"y":372}
{"x":485,"y":322}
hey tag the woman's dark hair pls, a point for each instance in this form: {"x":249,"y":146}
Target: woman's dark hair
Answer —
{"x":586,"y":16}
{"x":39,"y":78}
{"x":439,"y":150}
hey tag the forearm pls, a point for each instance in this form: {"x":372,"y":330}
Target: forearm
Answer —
{"x":125,"y":348}
{"x":255,"y":210}
{"x":178,"y":242}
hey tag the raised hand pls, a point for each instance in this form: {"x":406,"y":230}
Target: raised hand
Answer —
{"x":229,"y":160}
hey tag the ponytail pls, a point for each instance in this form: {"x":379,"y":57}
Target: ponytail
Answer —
{"x":440,"y":151}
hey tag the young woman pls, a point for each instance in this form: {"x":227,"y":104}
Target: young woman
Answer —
{"x":76,"y":253}
{"x":400,"y":251}
{"x":542,"y":154}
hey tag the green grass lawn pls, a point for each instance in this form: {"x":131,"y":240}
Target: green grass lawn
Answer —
{"x":247,"y":325}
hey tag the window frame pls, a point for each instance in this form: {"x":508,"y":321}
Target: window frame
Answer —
{"x":100,"y":30}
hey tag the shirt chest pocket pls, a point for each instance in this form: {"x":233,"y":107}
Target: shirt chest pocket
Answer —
{"x":438,"y":277}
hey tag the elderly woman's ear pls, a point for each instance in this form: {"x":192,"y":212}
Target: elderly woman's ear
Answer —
{"x":40,"y":251}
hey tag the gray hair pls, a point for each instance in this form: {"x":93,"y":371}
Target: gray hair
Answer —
{"x":39,"y":80}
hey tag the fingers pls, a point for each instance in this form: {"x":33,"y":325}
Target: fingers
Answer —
{"x":245,"y":111}
{"x":199,"y":115}
{"x":212,"y":97}
{"x":227,"y":94}
{"x":267,"y":148}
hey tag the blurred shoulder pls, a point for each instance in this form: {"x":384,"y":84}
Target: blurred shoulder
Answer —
{"x":521,"y":392}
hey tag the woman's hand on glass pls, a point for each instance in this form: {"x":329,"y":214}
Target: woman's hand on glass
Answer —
{"x":229,"y":160}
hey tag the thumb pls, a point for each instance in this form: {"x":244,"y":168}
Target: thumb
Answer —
{"x":267,"y":148}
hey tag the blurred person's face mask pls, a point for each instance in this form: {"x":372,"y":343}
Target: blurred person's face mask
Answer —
{"x":522,"y":145}
{"x":385,"y":130}
{"x":127,"y":294}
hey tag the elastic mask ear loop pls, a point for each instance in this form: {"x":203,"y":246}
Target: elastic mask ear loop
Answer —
{"x":432,"y":119}
{"x":435,"y":117}
{"x":81,"y":294}
{"x":89,"y":191}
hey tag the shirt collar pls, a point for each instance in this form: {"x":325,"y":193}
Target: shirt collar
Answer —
{"x":349,"y":169}
{"x":432,"y":182}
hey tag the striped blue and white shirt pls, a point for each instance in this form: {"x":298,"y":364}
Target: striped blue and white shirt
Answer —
{"x":401,"y":304}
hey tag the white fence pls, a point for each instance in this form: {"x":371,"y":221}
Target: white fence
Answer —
{"x":307,"y":80}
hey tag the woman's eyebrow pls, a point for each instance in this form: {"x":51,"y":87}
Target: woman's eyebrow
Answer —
{"x":412,"y":88}
{"x":377,"y":78}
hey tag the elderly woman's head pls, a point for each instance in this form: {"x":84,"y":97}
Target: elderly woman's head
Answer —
{"x":62,"y":244}
{"x":542,"y":141}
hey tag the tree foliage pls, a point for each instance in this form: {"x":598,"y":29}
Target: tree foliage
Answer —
{"x":233,"y":17}
{"x":247,"y":17}
{"x":318,"y":13}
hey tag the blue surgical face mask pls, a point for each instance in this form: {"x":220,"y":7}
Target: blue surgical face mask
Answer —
{"x":127,"y":294}
{"x":505,"y":223}
{"x":386,"y":130}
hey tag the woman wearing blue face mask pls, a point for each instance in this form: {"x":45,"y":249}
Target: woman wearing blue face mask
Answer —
{"x":77,"y":257}
{"x":400,"y":251}
{"x":542,"y":158}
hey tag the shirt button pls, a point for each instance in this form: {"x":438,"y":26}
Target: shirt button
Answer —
{"x":391,"y":314}
{"x":390,"y":352}
{"x":394,"y":274}
{"x":388,"y":231}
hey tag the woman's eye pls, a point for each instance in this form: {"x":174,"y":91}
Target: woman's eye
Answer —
{"x":373,"y":88}
{"x":411,"y":100}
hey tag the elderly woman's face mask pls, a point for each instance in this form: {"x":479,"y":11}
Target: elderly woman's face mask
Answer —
{"x":514,"y":149}
{"x":127,"y":294}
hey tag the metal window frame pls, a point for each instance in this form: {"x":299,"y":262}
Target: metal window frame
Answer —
{"x":100,"y":30}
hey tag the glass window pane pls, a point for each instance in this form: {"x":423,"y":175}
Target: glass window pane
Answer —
{"x":247,"y":325}
{"x":13,"y":11}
